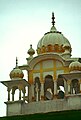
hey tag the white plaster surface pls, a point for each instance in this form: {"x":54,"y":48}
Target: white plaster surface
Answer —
{"x":68,"y":103}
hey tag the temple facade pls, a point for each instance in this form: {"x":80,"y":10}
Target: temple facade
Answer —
{"x":53,"y":80}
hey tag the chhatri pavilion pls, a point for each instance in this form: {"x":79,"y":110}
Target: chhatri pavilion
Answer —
{"x":53,"y":81}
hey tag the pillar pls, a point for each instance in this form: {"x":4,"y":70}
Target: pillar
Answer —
{"x":71,"y":88}
{"x":66,"y":87}
{"x":13,"y":97}
{"x":42,"y":91}
{"x":13,"y":92}
{"x":30,"y":93}
{"x":24,"y":94}
{"x":55,"y":87}
{"x":19,"y":94}
{"x":80,"y":86}
{"x":8,"y":89}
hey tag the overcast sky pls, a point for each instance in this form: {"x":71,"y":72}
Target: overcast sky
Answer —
{"x":24,"y":22}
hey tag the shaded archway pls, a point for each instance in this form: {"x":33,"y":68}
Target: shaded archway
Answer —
{"x":75,"y":87}
{"x":48,"y":87}
{"x":60,"y":83}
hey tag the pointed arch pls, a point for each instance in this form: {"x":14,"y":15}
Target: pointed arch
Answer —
{"x":48,"y":87}
{"x":60,"y":81}
{"x":75,"y":87}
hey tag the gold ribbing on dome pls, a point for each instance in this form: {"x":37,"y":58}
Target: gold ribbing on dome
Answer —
{"x":53,"y":19}
{"x":75,"y":66}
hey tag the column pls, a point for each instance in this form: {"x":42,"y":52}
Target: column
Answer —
{"x":71,"y":89}
{"x":24,"y":94}
{"x":42,"y":91}
{"x":8,"y":89}
{"x":55,"y":87}
{"x":12,"y":96}
{"x":13,"y":92}
{"x":66,"y":87}
{"x":37,"y":96}
{"x":19,"y":94}
{"x":30,"y":93}
{"x":80,"y":86}
{"x":69,"y":86}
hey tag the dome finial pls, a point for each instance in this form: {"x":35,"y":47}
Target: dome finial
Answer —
{"x":16,"y":62}
{"x":31,"y":51}
{"x":53,"y":22}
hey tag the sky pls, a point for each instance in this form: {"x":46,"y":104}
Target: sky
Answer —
{"x":24,"y":22}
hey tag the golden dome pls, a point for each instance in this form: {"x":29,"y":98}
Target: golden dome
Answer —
{"x":53,"y":41}
{"x":16,"y":73}
{"x":75,"y":66}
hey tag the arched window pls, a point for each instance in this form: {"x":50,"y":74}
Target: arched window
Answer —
{"x":60,"y":87}
{"x":48,"y":87}
{"x":75,"y":87}
{"x":60,"y":81}
{"x":37,"y":87}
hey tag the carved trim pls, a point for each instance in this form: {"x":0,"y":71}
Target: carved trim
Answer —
{"x":53,"y":48}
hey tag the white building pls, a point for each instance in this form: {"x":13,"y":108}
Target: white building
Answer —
{"x":54,"y":78}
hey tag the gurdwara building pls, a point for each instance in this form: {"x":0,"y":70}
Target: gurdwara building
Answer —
{"x":53,"y":78}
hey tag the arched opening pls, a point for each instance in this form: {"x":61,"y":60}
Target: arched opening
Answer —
{"x":15,"y":93}
{"x":60,"y":81}
{"x":37,"y":88}
{"x":75,"y":87}
{"x":48,"y":87}
{"x":18,"y":94}
{"x":60,"y":87}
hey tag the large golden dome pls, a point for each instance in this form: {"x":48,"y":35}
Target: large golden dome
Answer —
{"x":53,"y":41}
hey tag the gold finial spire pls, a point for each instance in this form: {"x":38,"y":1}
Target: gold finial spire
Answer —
{"x":16,"y":62}
{"x":53,"y":21}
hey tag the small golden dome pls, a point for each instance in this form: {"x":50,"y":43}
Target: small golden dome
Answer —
{"x":75,"y":66}
{"x":16,"y":73}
